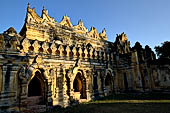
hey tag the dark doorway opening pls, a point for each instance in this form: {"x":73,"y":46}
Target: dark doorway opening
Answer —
{"x":109,"y":83}
{"x":79,"y":85}
{"x":34,"y":87}
{"x":125,"y":82}
{"x":37,"y":89}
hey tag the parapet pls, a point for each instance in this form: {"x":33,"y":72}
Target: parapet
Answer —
{"x":39,"y":28}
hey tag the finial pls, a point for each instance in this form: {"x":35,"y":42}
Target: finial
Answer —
{"x":28,"y":5}
{"x":80,"y":22}
{"x":43,"y":11}
{"x":104,"y":30}
{"x":65,"y":15}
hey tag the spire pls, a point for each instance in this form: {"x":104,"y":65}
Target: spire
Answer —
{"x":43,"y":11}
{"x":103,"y":34}
{"x":80,"y":22}
{"x":28,"y":7}
{"x":104,"y":31}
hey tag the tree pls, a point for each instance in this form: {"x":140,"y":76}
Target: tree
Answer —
{"x":163,"y":51}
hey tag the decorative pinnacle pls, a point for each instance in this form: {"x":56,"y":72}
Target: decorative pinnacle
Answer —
{"x":43,"y":11}
{"x":104,"y":30}
{"x":28,"y":5}
{"x":80,"y":22}
{"x":66,"y":15}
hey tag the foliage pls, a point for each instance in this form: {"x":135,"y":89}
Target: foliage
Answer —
{"x":163,"y":51}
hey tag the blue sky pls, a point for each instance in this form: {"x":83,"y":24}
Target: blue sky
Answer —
{"x":146,"y":21}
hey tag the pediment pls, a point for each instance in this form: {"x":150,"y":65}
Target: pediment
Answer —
{"x":32,"y":16}
{"x":80,"y":28}
{"x":66,"y":22}
{"x":46,"y":17}
{"x":103,"y":34}
{"x":93,"y":33}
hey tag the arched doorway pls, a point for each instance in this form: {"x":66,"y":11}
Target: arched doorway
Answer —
{"x":34,"y":88}
{"x":37,"y":89}
{"x":125,"y":82}
{"x":79,"y":86}
{"x":109,"y":83}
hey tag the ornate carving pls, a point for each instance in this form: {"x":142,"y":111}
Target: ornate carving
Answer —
{"x":26,"y":44}
{"x":14,"y":42}
{"x":46,"y":17}
{"x":80,"y":28}
{"x":45,"y":47}
{"x":95,"y":54}
{"x":66,"y":21}
{"x":1,"y":42}
{"x":61,"y":49}
{"x":100,"y":54}
{"x":80,"y":52}
{"x":36,"y":46}
{"x":68,"y":50}
{"x":103,"y":34}
{"x":93,"y":33}
{"x":11,"y":31}
{"x":22,"y":74}
{"x":32,"y":16}
{"x":91,"y":53}
{"x":86,"y":53}
{"x":38,"y":59}
{"x":74,"y":51}
{"x":53,"y":48}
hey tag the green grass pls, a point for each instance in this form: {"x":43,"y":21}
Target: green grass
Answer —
{"x":138,"y":96}
{"x":122,"y":103}
{"x":116,"y":108}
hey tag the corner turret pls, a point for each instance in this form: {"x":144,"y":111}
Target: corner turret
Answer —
{"x":122,"y":43}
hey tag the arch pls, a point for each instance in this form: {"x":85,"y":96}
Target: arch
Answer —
{"x":109,"y":83}
{"x":34,"y":87}
{"x":109,"y":70}
{"x":37,"y":87}
{"x":76,"y":70}
{"x":30,"y":72}
{"x":125,"y":81}
{"x":79,"y":85}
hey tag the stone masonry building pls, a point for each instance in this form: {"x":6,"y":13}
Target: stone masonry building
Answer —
{"x":52,"y":64}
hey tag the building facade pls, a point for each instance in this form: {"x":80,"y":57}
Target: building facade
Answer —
{"x":52,"y":64}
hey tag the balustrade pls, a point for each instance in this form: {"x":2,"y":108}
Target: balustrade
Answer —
{"x":69,"y":51}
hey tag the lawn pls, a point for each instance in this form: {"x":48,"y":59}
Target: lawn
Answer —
{"x":126,"y":103}
{"x":116,"y":108}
